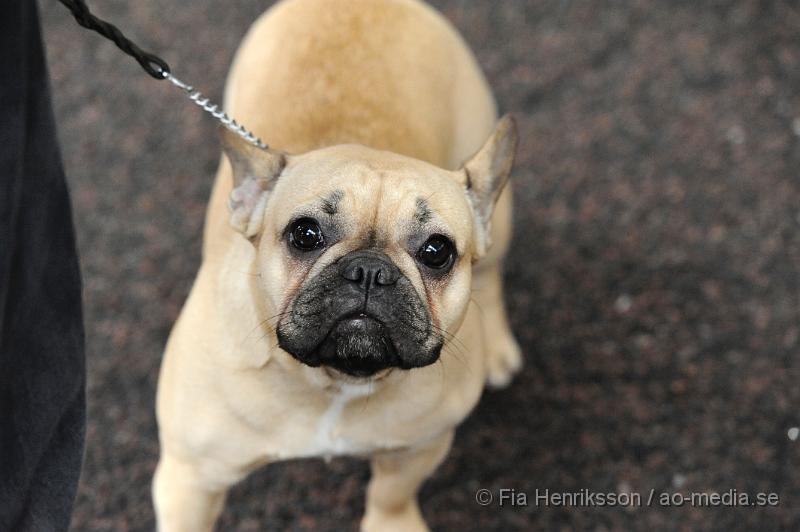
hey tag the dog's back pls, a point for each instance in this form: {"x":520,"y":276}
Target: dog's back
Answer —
{"x":389,"y":74}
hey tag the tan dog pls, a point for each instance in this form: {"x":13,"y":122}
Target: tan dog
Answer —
{"x":354,"y":306}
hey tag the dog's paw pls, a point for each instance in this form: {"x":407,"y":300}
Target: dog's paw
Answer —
{"x":503,"y":362}
{"x":407,"y":520}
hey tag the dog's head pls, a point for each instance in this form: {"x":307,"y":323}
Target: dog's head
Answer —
{"x":366,"y":256}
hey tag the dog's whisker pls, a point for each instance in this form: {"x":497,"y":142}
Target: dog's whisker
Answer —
{"x":247,"y":273}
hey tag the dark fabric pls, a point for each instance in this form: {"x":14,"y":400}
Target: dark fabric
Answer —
{"x":42,"y":374}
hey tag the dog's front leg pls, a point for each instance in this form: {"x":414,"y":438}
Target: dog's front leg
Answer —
{"x":396,"y":478}
{"x":185,"y":500}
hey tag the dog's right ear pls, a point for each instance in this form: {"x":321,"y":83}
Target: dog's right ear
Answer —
{"x":485,"y":175}
{"x":255,"y":172}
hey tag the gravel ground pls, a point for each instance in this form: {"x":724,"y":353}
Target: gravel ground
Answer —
{"x":654,"y":286}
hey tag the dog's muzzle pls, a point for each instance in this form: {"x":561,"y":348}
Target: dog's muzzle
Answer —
{"x":359,"y":316}
{"x":359,"y":344}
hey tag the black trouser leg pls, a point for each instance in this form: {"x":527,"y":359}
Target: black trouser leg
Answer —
{"x":42,"y":374}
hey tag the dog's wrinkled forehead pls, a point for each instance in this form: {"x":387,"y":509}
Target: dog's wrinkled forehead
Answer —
{"x":375,"y":196}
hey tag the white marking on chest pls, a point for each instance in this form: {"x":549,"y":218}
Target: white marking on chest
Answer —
{"x":326,"y":441}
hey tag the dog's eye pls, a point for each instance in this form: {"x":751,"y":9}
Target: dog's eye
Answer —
{"x":306,"y":235}
{"x":437,"y":252}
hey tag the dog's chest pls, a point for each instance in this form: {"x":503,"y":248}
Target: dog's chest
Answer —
{"x":331,"y":433}
{"x":329,"y":436}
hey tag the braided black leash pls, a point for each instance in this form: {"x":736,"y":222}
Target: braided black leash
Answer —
{"x":153,"y":65}
{"x":85,"y":18}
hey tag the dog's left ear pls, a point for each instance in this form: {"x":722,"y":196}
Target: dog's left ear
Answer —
{"x":255,"y":172}
{"x":486,"y":174}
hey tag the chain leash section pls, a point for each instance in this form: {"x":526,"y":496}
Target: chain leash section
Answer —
{"x":215,"y":111}
{"x":155,"y":66}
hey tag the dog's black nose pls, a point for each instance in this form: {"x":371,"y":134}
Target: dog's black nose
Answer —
{"x":368,"y":268}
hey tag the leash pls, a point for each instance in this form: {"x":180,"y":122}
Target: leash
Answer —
{"x":155,"y":66}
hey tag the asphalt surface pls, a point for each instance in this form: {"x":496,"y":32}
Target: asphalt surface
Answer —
{"x":653,"y":285}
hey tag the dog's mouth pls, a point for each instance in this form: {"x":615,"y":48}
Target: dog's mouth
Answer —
{"x":358,"y":345}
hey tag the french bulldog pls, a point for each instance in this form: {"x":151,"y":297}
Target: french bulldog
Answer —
{"x":349,"y":300}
